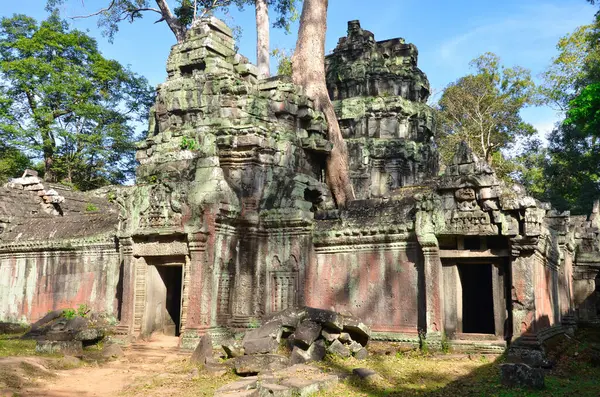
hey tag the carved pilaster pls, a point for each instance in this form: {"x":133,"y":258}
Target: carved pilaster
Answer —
{"x":199,"y":296}
{"x":432,"y":266}
{"x":127,"y":294}
{"x":246,"y":282}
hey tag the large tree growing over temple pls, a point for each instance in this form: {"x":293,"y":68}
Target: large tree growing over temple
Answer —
{"x":62,"y":102}
{"x":308,"y":71}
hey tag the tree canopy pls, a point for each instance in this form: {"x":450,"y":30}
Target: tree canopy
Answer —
{"x":567,"y":173}
{"x":179,"y":16}
{"x":63,"y":102}
{"x":483,"y":109}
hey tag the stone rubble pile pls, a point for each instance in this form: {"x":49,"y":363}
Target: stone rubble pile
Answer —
{"x":31,"y":182}
{"x":308,"y":333}
{"x":55,"y":333}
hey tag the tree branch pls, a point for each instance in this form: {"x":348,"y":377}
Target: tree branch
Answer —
{"x":100,"y":11}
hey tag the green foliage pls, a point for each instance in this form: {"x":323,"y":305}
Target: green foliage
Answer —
{"x":188,"y":144}
{"x":568,"y":173}
{"x":69,"y":313}
{"x":287,"y":12}
{"x":253,"y":323}
{"x":483,"y":109}
{"x":111,"y":197}
{"x":83,"y":310}
{"x":562,"y":79}
{"x":62,"y":101}
{"x":91,"y":207}
{"x":284,"y":61}
{"x":12,"y":163}
{"x":584,"y":111}
{"x":445,"y":344}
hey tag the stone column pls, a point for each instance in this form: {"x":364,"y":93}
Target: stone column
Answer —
{"x":125,"y":327}
{"x":433,"y":293}
{"x":525,"y":345}
{"x":199,"y":294}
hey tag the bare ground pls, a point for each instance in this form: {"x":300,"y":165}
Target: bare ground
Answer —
{"x":143,"y":367}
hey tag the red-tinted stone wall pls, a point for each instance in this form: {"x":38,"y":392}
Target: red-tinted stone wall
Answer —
{"x":33,"y":283}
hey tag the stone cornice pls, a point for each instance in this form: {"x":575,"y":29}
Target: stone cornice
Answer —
{"x":101,"y":242}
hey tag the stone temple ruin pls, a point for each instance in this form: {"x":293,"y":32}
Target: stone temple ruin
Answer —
{"x":230,"y":219}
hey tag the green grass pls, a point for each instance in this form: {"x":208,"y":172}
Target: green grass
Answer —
{"x":577,"y":373}
{"x":11,"y":345}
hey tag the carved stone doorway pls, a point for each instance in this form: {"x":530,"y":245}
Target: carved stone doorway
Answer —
{"x":163,"y":299}
{"x":477,"y":302}
{"x":477,"y":298}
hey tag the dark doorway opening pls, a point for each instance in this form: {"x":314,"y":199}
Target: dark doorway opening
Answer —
{"x":172,"y":278}
{"x":477,"y":298}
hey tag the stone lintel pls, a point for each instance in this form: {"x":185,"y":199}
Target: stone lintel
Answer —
{"x":155,"y":248}
{"x":490,"y":253}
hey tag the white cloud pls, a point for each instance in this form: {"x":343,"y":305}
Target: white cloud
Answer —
{"x":528,"y":35}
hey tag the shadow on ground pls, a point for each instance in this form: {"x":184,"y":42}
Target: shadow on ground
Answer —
{"x":576,"y":372}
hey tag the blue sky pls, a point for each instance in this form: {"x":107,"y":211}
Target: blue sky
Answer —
{"x":448,"y":34}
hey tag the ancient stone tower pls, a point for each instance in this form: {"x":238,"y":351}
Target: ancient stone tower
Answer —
{"x":380,"y":98}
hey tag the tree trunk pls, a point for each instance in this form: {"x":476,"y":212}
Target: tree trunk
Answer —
{"x":308,"y":71}
{"x":262,"y":38}
{"x":176,"y":27}
{"x":49,"y":175}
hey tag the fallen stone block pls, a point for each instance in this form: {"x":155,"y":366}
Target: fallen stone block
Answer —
{"x":327,"y":318}
{"x":316,"y":352}
{"x":260,"y":346}
{"x":330,"y":336}
{"x":358,"y":330}
{"x":215,"y":369}
{"x":112,"y":351}
{"x":33,"y":188}
{"x":29,"y":172}
{"x":355,"y":347}
{"x":264,"y":339}
{"x":522,"y":376}
{"x":232,"y":349}
{"x":362,"y":354}
{"x":345,"y":338}
{"x":90,"y":334}
{"x":203,"y":351}
{"x":70,"y":361}
{"x":306,"y":333}
{"x":339,"y":349}
{"x":27,"y":181}
{"x":240,"y":393}
{"x":304,"y":387}
{"x":250,"y":365}
{"x":275,"y":390}
{"x":76,"y":324}
{"x":53,"y":199}
{"x":289,"y":317}
{"x":245,"y":384}
{"x":71,"y":347}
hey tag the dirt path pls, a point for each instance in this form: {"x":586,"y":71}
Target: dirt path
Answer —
{"x":142,"y":362}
